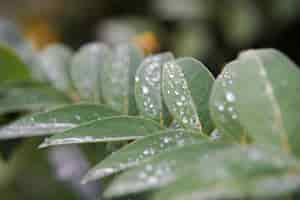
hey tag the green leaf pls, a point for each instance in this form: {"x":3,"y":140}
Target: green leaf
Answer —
{"x":222,"y":111}
{"x":237,"y":173}
{"x":142,"y":150}
{"x":113,"y":129}
{"x":55,"y":62}
{"x":161,"y":170}
{"x":56,"y":120}
{"x":186,"y":89}
{"x":200,"y":82}
{"x":268,"y":111}
{"x":11,"y":66}
{"x":86,"y":69}
{"x":27,"y":96}
{"x":148,"y":92}
{"x":118,"y":78}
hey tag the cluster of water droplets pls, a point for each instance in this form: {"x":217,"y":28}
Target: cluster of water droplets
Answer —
{"x":164,"y":143}
{"x":148,"y":81}
{"x":151,"y":86}
{"x":153,"y":175}
{"x":227,"y":107}
{"x":183,"y":106}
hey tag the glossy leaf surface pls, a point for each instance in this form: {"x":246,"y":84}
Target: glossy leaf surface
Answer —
{"x":268,"y":110}
{"x":161,"y":170}
{"x":200,"y":81}
{"x":112,"y":129}
{"x":141,"y":150}
{"x":56,"y":120}
{"x":148,"y":86}
{"x":186,"y":89}
{"x":237,"y":173}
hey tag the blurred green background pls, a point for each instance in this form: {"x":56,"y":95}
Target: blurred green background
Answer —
{"x":213,"y":31}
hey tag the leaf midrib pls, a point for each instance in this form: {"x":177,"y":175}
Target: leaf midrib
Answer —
{"x":275,"y":105}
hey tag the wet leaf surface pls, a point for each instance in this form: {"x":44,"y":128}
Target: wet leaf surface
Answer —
{"x":268,"y":110}
{"x":142,"y":150}
{"x":54,"y":121}
{"x":111,"y":129}
{"x":148,"y":86}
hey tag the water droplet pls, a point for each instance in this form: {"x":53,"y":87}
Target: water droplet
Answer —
{"x":145,"y":90}
{"x":146,"y":152}
{"x":149,"y":168}
{"x":184,"y":120}
{"x":179,"y":103}
{"x":167,"y":140}
{"x":77,"y":117}
{"x":221,"y":107}
{"x":183,"y":98}
{"x":230,"y":97}
{"x":152,"y":180}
